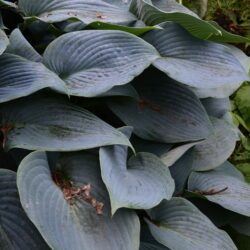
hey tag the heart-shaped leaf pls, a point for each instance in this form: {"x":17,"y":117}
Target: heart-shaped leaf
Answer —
{"x":53,"y":124}
{"x":86,"y":11}
{"x":81,"y":221}
{"x":216,"y":149}
{"x":224,"y":187}
{"x":94,"y":61}
{"x":16,"y":230}
{"x":210,"y":65}
{"x":21,"y":77}
{"x":179,"y":225}
{"x":169,"y":113}
{"x":128,"y":182}
{"x":178,"y":159}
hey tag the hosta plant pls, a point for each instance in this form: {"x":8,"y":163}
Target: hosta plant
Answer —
{"x":115,"y":128}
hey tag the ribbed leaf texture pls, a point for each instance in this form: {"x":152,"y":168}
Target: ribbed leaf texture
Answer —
{"x":16,"y":230}
{"x":77,"y":223}
{"x":116,"y":127}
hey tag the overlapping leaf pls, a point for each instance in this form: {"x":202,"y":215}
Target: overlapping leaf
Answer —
{"x":241,"y":56}
{"x":4,"y":41}
{"x":21,"y":47}
{"x":199,"y":64}
{"x":122,"y":90}
{"x":8,"y":4}
{"x":226,"y":36}
{"x":147,"y":240}
{"x":167,"y":113}
{"x":158,"y":11}
{"x":179,"y":225}
{"x":128,"y":182}
{"x":93,"y":62}
{"x":138,"y":31}
{"x":181,"y":169}
{"x":52,"y":124}
{"x":156,"y":148}
{"x":21,"y":77}
{"x":80,"y":73}
{"x":216,"y":107}
{"x":172,"y":156}
{"x":16,"y":230}
{"x":178,"y":159}
{"x":236,"y":225}
{"x":85,"y":11}
{"x":234,"y":193}
{"x":241,"y":224}
{"x":77,"y":225}
{"x":216,"y":149}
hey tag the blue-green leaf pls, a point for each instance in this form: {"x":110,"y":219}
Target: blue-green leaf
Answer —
{"x":217,"y":148}
{"x":181,"y":169}
{"x":147,"y":240}
{"x":21,"y":77}
{"x":53,"y":124}
{"x":86,"y":11}
{"x":179,"y":225}
{"x":128,"y":181}
{"x":153,"y":147}
{"x":199,"y":64}
{"x":223,"y":186}
{"x":167,"y":113}
{"x":21,"y":47}
{"x":216,"y":107}
{"x":77,"y":223}
{"x":94,"y":61}
{"x":4,"y":41}
{"x":16,"y":230}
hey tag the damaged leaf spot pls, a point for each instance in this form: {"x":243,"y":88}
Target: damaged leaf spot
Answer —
{"x":59,"y":131}
{"x":146,"y":104}
{"x":72,"y":192}
{"x":100,"y":15}
{"x":72,"y":14}
{"x":211,"y":191}
{"x":5,"y":130}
